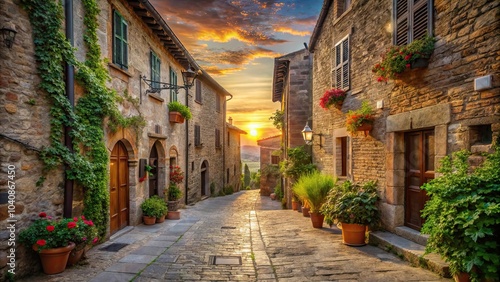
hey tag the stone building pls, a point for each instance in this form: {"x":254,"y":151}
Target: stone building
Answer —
{"x":422,"y":116}
{"x":292,"y":88}
{"x":232,"y":162}
{"x":269,"y":156}
{"x":148,"y":51}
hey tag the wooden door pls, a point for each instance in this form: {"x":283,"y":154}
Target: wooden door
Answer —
{"x":153,"y":179}
{"x":419,"y":157}
{"x":204,"y":173}
{"x":118,"y":188}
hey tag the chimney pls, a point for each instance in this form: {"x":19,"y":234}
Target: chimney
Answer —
{"x":230,"y":120}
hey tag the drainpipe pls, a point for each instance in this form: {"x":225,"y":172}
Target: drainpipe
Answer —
{"x":70,"y":92}
{"x":187,"y":151}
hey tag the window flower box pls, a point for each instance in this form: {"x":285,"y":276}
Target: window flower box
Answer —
{"x":397,"y":59}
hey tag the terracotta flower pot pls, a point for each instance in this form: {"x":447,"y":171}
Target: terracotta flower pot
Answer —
{"x":317,"y":219}
{"x":54,"y":260}
{"x":173,"y":205}
{"x":295,"y":205}
{"x":305,"y":211}
{"x":353,"y":234}
{"x":273,"y":196}
{"x":75,"y":256}
{"x":149,"y":220}
{"x":462,"y":277}
{"x":175,"y":117}
{"x":160,"y":219}
{"x":174,"y":215}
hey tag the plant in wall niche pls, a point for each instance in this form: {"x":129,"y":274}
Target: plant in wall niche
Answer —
{"x":176,"y":174}
{"x":361,"y":119}
{"x":149,"y":170}
{"x":176,"y":108}
{"x":333,"y":97}
{"x":399,"y":58}
{"x":462,"y":216}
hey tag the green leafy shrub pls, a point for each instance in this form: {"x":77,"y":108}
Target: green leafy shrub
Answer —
{"x":184,"y":110}
{"x":174,"y":193}
{"x":278,"y":192}
{"x":298,"y":163}
{"x":352,"y":203}
{"x":462,"y":216}
{"x":313,"y":188}
{"x":228,"y":190}
{"x":277,"y":118}
{"x":154,"y":206}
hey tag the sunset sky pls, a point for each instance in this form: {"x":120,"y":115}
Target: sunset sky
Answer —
{"x":236,"y":41}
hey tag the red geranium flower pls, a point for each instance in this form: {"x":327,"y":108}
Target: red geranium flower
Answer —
{"x":42,"y":214}
{"x":75,"y":219}
{"x":50,"y":228}
{"x":41,"y":242}
{"x":83,"y":217}
{"x":95,"y":240}
{"x":71,"y":224}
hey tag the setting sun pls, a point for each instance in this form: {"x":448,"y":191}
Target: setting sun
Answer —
{"x":253,"y":132}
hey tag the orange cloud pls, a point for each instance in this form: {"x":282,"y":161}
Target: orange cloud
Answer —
{"x":291,"y":31}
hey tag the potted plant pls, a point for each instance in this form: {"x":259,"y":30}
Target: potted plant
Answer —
{"x":354,"y":206}
{"x":82,"y":240}
{"x":160,"y":209}
{"x":174,"y":193}
{"x":462,"y":216}
{"x":295,"y":202}
{"x":178,"y":112}
{"x":314,"y":188}
{"x":399,"y":58}
{"x":53,"y":240}
{"x":332,"y":97}
{"x":149,"y":211}
{"x":361,"y":119}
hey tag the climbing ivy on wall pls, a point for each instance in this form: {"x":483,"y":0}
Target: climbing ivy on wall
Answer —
{"x":88,"y":164}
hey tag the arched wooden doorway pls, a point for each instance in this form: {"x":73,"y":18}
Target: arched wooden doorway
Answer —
{"x":118,"y":188}
{"x":153,"y":178}
{"x":204,"y":178}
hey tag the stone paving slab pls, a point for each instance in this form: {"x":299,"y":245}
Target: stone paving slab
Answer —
{"x":274,"y":245}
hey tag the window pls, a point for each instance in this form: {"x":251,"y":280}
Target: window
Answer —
{"x":480,"y":134}
{"x":155,"y":70}
{"x":197,"y":136}
{"x":173,"y":81}
{"x":217,"y":103}
{"x":217,"y":138}
{"x":120,"y":44}
{"x":227,"y":175}
{"x":341,"y":69}
{"x":342,"y":156}
{"x":342,"y":6}
{"x":413,"y":20}
{"x":275,"y":160}
{"x":198,"y":91}
{"x":228,"y":139}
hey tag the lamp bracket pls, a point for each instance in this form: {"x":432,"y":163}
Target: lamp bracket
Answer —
{"x":162,"y":86}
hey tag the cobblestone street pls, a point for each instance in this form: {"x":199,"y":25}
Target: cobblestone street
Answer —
{"x":274,"y":245}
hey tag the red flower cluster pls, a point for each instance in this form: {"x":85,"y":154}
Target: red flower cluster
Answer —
{"x":332,"y":97}
{"x":176,"y":175}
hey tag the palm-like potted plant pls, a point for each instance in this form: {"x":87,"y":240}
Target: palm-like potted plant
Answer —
{"x":354,"y":207}
{"x":462,"y":216}
{"x":178,"y":112}
{"x":332,"y":97}
{"x":361,"y":119}
{"x":399,"y":58}
{"x":314,"y":188}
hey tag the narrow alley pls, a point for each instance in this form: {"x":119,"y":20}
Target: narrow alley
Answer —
{"x":273,"y":244}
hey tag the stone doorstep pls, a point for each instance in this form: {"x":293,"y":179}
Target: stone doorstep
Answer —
{"x":411,"y":234}
{"x":409,"y":251}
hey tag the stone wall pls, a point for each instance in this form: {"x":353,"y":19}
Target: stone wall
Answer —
{"x":466,"y":48}
{"x":25,"y":122}
{"x":233,"y":157}
{"x":206,"y":116}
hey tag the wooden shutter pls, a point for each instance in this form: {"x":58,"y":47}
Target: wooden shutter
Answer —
{"x":124,"y":44}
{"x":197,"y":136}
{"x":217,"y":102}
{"x":413,"y":20}
{"x":341,"y":72}
{"x":173,"y":81}
{"x":198,"y":91}
{"x":116,"y":37}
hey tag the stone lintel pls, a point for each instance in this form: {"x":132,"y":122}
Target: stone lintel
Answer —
{"x":421,"y":118}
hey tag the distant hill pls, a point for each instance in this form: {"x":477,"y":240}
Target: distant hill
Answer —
{"x":250,"y":153}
